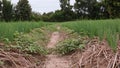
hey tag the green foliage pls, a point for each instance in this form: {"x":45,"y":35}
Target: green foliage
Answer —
{"x":36,"y":16}
{"x":24,"y":44}
{"x":65,"y":5}
{"x":112,"y":7}
{"x":39,"y":35}
{"x":89,"y":9}
{"x":6,"y":41}
{"x":112,"y":39}
{"x":65,"y":14}
{"x":83,"y":9}
{"x":7,"y":10}
{"x":8,"y":29}
{"x":102,"y":28}
{"x":0,"y":10}
{"x":59,"y":16}
{"x":47,"y":16}
{"x":69,"y":45}
{"x":23,"y":10}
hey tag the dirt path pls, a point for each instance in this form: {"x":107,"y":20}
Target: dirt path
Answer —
{"x":53,"y":60}
{"x":53,"y":40}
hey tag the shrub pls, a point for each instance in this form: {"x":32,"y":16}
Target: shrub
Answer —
{"x":35,"y":16}
{"x":69,"y":45}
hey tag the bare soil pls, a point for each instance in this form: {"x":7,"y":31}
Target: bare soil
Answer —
{"x":53,"y":40}
{"x":54,"y":60}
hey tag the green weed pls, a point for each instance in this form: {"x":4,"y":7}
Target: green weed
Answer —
{"x":69,"y":45}
{"x":24,"y":44}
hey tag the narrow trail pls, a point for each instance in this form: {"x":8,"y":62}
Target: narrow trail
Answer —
{"x":54,"y":60}
{"x":53,"y":40}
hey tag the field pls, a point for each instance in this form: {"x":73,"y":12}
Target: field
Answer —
{"x":104,"y":29}
{"x":80,"y":44}
{"x":8,"y":29}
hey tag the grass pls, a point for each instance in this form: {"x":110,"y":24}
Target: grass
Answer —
{"x":8,"y":29}
{"x":105,"y":29}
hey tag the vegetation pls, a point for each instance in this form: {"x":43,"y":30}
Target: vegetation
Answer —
{"x":21,"y":37}
{"x":0,"y":11}
{"x":24,"y":44}
{"x":105,"y":29}
{"x":69,"y":45}
{"x":84,"y":9}
{"x":7,"y":30}
{"x":7,"y":10}
{"x":112,"y":7}
{"x":23,"y":10}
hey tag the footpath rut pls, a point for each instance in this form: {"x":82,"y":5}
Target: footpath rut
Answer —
{"x":54,"y":60}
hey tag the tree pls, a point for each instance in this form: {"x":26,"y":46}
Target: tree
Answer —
{"x":65,"y":5}
{"x":116,"y":4}
{"x":0,"y":10}
{"x":7,"y":10}
{"x":23,"y":10}
{"x":36,"y":16}
{"x":93,"y":9}
{"x":66,"y":11}
{"x":112,"y":7}
{"x":86,"y":8}
{"x":80,"y":8}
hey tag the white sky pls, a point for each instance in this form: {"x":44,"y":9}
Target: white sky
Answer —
{"x":43,"y":5}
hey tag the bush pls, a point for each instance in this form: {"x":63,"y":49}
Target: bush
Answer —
{"x":59,"y":16}
{"x":69,"y":45}
{"x":36,"y":16}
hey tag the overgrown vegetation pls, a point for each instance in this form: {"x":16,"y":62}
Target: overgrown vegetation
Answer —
{"x":23,"y":44}
{"x":32,"y":42}
{"x":71,"y":41}
{"x":70,"y":45}
{"x":105,"y":29}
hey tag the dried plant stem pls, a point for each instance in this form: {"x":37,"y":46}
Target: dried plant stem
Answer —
{"x":115,"y":59}
{"x":80,"y":62}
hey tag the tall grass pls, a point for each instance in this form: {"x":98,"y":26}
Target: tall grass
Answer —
{"x":8,"y":29}
{"x":108,"y":29}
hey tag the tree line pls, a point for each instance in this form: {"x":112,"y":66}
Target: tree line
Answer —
{"x":82,"y":9}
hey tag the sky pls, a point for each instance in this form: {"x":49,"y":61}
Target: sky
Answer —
{"x":43,"y":5}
